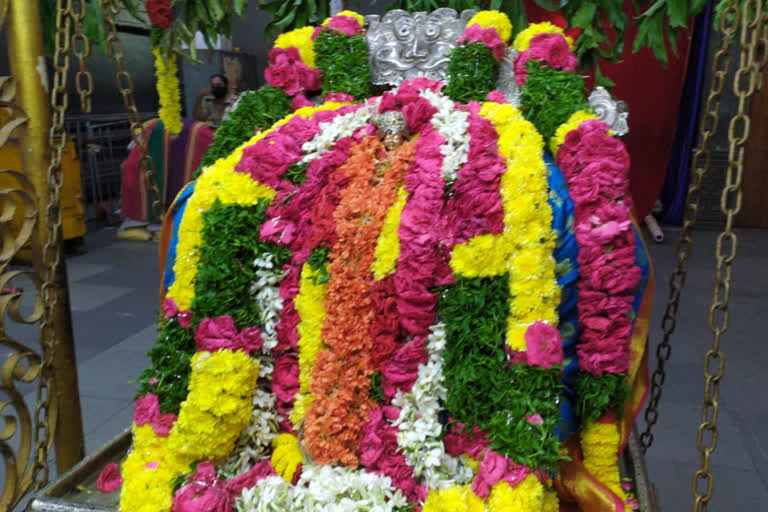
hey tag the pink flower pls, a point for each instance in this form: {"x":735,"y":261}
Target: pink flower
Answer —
{"x":535,"y":419}
{"x":205,"y":492}
{"x":300,"y":101}
{"x":544,"y":346}
{"x":408,"y":92}
{"x":185,"y":318}
{"x":488,"y":37}
{"x":494,"y":468}
{"x":163,"y":423}
{"x":552,"y":49}
{"x":216,"y":334}
{"x":388,"y":102}
{"x":109,"y":478}
{"x":401,"y":371}
{"x":152,"y":381}
{"x":152,"y":465}
{"x":418,"y":114}
{"x":285,"y":379}
{"x":346,"y":25}
{"x":521,"y":67}
{"x":146,"y":409}
{"x":249,"y":479}
{"x":170,"y":308}
{"x":340,"y":97}
{"x":496,"y":96}
{"x":249,"y":339}
{"x":286,"y":71}
{"x":458,"y":441}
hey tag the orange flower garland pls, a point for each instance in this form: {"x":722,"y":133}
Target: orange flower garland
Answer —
{"x":341,"y":381}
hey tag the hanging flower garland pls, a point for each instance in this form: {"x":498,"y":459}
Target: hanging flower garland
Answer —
{"x":168,"y":91}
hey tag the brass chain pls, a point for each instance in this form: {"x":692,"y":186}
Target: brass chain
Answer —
{"x":744,"y":86}
{"x":81,"y":47}
{"x":110,"y":10}
{"x":46,"y":408}
{"x":700,"y":165}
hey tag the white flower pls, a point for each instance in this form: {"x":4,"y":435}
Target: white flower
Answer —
{"x":452,"y":124}
{"x":338,"y":128}
{"x":266,"y":291}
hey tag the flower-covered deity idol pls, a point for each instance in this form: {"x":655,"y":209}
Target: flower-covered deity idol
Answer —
{"x":425,"y":298}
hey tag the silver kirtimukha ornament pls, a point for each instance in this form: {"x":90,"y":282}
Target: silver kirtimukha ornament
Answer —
{"x":614,"y":113}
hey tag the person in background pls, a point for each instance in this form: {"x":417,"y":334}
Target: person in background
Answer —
{"x":212,"y":102}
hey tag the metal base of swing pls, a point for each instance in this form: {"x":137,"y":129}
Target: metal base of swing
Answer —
{"x":76,"y":490}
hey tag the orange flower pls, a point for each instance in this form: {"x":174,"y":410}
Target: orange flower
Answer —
{"x":341,"y":381}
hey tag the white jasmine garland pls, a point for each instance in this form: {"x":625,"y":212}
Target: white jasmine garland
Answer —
{"x":326,"y":488}
{"x":419,"y":427}
{"x":266,"y":291}
{"x":338,"y":128}
{"x":452,"y":124}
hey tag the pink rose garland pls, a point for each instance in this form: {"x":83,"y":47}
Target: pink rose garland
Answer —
{"x":596,"y":167}
{"x":287,"y":72}
{"x":488,"y":37}
{"x":552,"y":50}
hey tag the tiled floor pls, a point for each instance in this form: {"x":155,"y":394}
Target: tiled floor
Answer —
{"x":113,"y":293}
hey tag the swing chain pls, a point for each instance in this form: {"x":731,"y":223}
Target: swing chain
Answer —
{"x":700,"y":165}
{"x":46,"y":409}
{"x":81,"y":47}
{"x":110,"y":10}
{"x":744,"y":86}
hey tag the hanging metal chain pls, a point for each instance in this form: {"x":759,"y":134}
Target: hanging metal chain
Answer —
{"x":110,"y":10}
{"x":700,"y":165}
{"x":45,"y":412}
{"x":81,"y":47}
{"x":744,"y":86}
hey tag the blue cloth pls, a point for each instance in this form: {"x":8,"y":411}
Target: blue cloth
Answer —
{"x":179,"y":206}
{"x":567,"y":272}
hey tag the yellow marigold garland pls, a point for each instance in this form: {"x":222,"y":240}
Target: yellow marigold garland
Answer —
{"x":309,"y":305}
{"x":217,"y":409}
{"x":527,"y":496}
{"x":600,"y":447}
{"x":388,"y":243}
{"x":564,"y":129}
{"x":301,"y":39}
{"x":523,"y":40}
{"x":168,"y":91}
{"x":286,"y":456}
{"x":525,"y":248}
{"x":457,"y":498}
{"x":493,"y":19}
{"x":219,"y":181}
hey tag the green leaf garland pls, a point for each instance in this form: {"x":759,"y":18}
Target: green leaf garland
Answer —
{"x":472,"y":73}
{"x":344,"y":63}
{"x":597,"y":395}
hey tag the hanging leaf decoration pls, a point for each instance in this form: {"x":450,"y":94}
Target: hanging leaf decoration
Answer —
{"x":288,"y":15}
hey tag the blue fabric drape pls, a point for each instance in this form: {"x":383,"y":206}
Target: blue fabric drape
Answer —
{"x":676,"y":183}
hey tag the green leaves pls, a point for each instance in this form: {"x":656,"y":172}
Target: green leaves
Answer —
{"x":257,"y":110}
{"x":472,"y":73}
{"x":597,"y":395}
{"x":550,"y":96}
{"x":344,"y":63}
{"x":482,"y":389}
{"x":660,"y":24}
{"x":291,"y":14}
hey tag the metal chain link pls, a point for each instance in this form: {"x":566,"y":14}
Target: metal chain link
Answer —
{"x":744,"y":86}
{"x":700,"y":165}
{"x":110,"y":10}
{"x":46,"y":408}
{"x":81,"y":47}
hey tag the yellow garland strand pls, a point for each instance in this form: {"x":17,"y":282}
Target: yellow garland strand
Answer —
{"x":388,"y":244}
{"x":301,"y":39}
{"x":286,"y":456}
{"x":216,"y":410}
{"x":493,"y":19}
{"x":523,"y":40}
{"x":219,"y":181}
{"x":527,"y":496}
{"x":168,"y":91}
{"x":564,"y":129}
{"x":524,"y":250}
{"x":310,"y":306}
{"x":600,"y":447}
{"x":456,"y":498}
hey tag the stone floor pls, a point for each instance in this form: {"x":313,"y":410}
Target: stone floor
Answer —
{"x":113,"y":294}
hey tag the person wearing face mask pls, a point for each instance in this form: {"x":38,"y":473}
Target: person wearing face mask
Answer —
{"x":213,"y":102}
